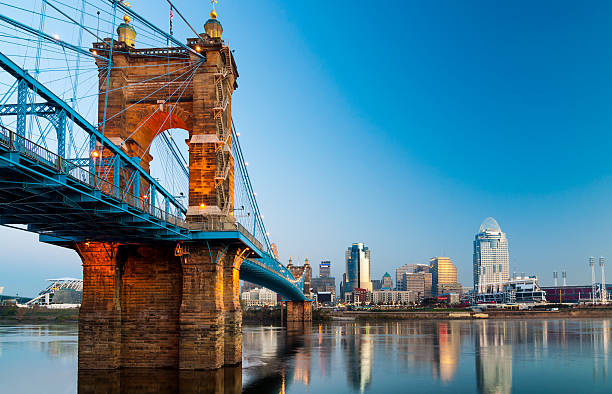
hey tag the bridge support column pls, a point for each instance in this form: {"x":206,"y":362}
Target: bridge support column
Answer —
{"x":202,"y":317}
{"x":100,"y":313}
{"x":233,"y":310}
{"x":297,"y":311}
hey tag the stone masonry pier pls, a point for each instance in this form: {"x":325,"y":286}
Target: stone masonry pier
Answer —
{"x":145,"y":307}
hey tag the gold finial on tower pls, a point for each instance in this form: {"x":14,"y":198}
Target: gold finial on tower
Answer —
{"x":125,"y":31}
{"x":213,"y":13}
{"x":126,"y":17}
{"x":212,"y":26}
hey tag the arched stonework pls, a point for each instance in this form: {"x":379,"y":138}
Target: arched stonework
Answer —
{"x":156,"y":89}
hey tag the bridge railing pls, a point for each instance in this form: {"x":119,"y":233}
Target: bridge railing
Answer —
{"x":221,"y":224}
{"x":14,"y":142}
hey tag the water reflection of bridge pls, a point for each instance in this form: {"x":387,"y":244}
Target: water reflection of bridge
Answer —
{"x":278,"y":360}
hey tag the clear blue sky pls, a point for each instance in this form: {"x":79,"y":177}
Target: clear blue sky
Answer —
{"x":404,"y":124}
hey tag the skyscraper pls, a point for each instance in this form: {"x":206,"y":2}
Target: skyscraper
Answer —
{"x":324,"y":269}
{"x":491,"y":260}
{"x":444,"y":276}
{"x":387,"y":282}
{"x":357,"y":268}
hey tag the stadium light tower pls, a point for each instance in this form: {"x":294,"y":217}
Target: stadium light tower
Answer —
{"x":555,"y":277}
{"x":592,"y":265}
{"x":602,"y":290}
{"x":564,"y":276}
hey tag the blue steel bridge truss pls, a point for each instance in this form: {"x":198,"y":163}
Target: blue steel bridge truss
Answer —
{"x":69,"y":199}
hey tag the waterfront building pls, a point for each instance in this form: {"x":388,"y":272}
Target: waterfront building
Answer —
{"x":325,"y":269}
{"x":387,"y":282}
{"x":407,"y":269}
{"x":577,"y":294}
{"x":491,"y":262}
{"x":394,"y":297}
{"x":324,"y":285}
{"x":259,"y":297}
{"x":62,"y":292}
{"x":325,"y":298}
{"x":443,"y":276}
{"x":518,"y":289}
{"x":376,"y":284}
{"x":360,"y":297}
{"x":357,"y":268}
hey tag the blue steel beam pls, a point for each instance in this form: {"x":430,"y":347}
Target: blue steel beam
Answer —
{"x":39,"y":109}
{"x":17,"y":72}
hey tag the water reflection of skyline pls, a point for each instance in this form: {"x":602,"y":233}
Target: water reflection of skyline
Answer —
{"x":489,"y":356}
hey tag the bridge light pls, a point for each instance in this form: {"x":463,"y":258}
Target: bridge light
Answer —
{"x":145,"y":197}
{"x":238,"y":134}
{"x":267,"y":234}
{"x":95,"y":154}
{"x":56,"y":36}
{"x":254,"y":193}
{"x":95,"y":52}
{"x":246,"y":163}
{"x":261,"y":216}
{"x":198,"y":48}
{"x":202,"y":205}
{"x":231,"y":213}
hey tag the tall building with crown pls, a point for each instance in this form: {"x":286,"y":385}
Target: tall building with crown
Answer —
{"x":491,"y":260}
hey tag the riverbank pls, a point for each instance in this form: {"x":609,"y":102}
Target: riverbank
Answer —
{"x":13,"y":314}
{"x":576,"y":313}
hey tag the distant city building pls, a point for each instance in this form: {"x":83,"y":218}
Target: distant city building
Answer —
{"x":446,"y":288}
{"x":1,"y":289}
{"x":324,"y":285}
{"x":419,"y":283}
{"x":407,"y":269}
{"x":325,"y":298}
{"x":387,"y":282}
{"x":325,"y":269}
{"x":518,"y":289}
{"x":361,"y":296}
{"x":577,"y":294}
{"x":376,"y":284}
{"x":246,"y":286}
{"x":491,"y":259}
{"x":259,"y":297}
{"x":443,"y":276}
{"x":394,"y":297}
{"x":357,"y":268}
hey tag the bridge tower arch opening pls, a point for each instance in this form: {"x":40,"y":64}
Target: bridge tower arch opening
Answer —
{"x":147,"y":91}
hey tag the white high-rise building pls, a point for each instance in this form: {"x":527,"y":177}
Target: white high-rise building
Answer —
{"x":491,"y":259}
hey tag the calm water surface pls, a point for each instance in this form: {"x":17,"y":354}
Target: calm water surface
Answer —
{"x":495,"y":356}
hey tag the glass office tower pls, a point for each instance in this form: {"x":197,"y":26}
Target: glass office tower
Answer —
{"x":357,"y":268}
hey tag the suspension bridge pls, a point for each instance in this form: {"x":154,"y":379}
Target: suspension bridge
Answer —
{"x":94,"y":101}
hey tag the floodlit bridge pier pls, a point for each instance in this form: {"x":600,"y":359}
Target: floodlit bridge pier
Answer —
{"x":160,"y":279}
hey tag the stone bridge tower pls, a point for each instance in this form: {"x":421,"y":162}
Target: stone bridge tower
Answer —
{"x":151,"y":90}
{"x":154,"y":305}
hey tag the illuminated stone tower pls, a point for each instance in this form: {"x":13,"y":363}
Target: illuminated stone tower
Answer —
{"x":196,"y":96}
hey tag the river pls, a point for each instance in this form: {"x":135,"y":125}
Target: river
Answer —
{"x":483,"y":356}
